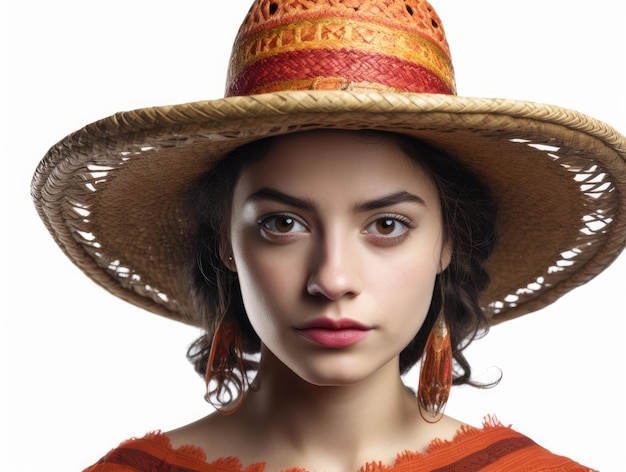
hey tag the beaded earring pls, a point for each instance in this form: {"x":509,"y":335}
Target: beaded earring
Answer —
{"x":435,"y":380}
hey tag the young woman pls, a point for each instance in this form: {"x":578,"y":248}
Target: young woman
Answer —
{"x":343,"y":233}
{"x":337,"y":240}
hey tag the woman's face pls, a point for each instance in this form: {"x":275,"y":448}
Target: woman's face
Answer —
{"x":337,"y":239}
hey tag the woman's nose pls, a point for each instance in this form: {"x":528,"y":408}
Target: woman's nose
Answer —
{"x":334,"y":269}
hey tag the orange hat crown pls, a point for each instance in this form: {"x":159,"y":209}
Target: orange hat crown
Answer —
{"x":358,"y":45}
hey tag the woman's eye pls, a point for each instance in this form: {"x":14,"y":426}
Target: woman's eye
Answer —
{"x":281,"y":224}
{"x":388,"y":227}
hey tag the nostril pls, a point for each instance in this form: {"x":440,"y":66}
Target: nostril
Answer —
{"x":331,"y":286}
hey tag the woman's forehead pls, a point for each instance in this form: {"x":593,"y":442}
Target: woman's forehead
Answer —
{"x":320,"y":160}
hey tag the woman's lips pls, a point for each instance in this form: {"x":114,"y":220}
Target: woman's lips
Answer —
{"x":333,"y":333}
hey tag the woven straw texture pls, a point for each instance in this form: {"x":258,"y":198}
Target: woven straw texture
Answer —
{"x":112,"y":194}
{"x":371,"y":45}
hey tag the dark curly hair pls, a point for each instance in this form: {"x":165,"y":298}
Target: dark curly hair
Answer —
{"x":469,"y":225}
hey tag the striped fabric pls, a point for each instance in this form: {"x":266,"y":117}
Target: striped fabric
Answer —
{"x":494,"y":448}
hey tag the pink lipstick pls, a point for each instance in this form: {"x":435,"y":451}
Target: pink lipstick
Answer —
{"x":332,"y":333}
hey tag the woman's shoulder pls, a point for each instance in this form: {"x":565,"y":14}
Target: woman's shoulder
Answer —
{"x":154,"y":451}
{"x":494,"y":447}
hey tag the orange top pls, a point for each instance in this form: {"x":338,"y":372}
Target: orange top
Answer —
{"x":493,"y":448}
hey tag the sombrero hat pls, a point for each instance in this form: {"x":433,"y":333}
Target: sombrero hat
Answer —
{"x":113,"y":193}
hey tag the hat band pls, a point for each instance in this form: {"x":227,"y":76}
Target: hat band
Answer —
{"x":302,"y":53}
{"x":335,"y":70}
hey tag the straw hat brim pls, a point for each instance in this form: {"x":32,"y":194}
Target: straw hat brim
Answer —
{"x":113,"y":193}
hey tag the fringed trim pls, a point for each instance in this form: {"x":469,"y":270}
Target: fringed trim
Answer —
{"x":406,"y":459}
{"x":159,"y":439}
{"x":490,"y":423}
{"x":494,"y":441}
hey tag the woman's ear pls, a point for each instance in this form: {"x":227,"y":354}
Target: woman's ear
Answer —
{"x":446,"y":256}
{"x":226,"y":255}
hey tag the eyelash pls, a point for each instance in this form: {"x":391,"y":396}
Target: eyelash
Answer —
{"x":273,"y":233}
{"x":396,"y":218}
{"x":264,"y":222}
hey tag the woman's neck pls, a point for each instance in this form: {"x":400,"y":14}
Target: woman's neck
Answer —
{"x":289,"y":422}
{"x":373,"y":419}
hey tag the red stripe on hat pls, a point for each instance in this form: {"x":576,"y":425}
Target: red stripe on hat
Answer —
{"x":344,"y":66}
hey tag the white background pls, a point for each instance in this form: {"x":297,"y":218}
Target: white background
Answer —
{"x":82,"y":371}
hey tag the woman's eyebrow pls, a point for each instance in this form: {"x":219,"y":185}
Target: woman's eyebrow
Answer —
{"x":388,"y":200}
{"x":268,"y":193}
{"x":278,"y":196}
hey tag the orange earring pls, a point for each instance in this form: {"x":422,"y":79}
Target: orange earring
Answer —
{"x":435,"y":380}
{"x":225,"y":377}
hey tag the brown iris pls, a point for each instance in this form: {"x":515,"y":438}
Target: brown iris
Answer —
{"x":385,"y":226}
{"x":284,"y":224}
